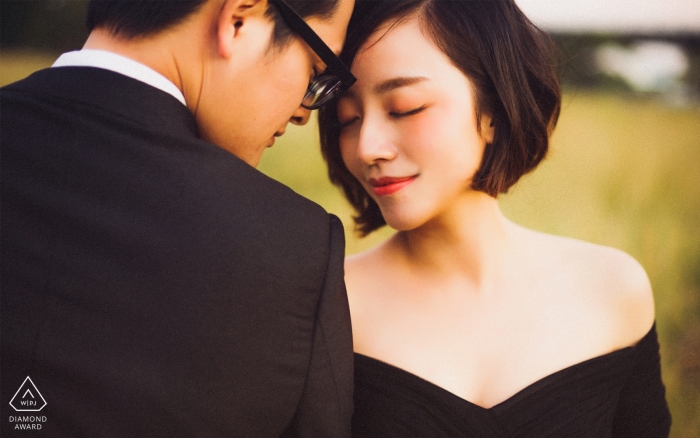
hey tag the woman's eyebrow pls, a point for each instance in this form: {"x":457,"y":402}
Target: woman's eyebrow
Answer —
{"x":395,"y":83}
{"x":387,"y":86}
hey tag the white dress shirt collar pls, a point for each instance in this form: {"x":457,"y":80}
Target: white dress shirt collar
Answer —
{"x":119,"y":64}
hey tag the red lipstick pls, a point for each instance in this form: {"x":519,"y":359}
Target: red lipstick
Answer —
{"x":389,"y":185}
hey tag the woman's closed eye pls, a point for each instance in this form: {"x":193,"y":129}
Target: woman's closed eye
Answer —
{"x":399,"y":114}
{"x":340,"y":124}
{"x":346,"y":122}
{"x":346,"y":112}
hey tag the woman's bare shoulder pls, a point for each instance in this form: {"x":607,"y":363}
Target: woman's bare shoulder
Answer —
{"x":614,"y":281}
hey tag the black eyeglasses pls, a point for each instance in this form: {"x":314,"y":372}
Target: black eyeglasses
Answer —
{"x":335,"y":78}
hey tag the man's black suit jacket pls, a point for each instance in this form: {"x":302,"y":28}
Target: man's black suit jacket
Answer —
{"x":152,"y":283}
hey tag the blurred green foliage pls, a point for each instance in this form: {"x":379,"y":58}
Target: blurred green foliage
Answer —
{"x":622,"y":171}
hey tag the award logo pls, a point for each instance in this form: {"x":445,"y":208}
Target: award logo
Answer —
{"x":28,"y":398}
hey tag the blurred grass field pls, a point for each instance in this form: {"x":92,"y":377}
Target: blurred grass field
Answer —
{"x":623,"y":171}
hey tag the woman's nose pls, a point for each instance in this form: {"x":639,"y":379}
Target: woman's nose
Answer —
{"x":375,"y":143}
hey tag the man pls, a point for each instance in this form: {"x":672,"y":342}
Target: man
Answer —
{"x":153,"y":282}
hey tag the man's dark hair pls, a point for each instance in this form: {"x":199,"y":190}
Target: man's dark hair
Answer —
{"x":507,"y":59}
{"x":138,"y":18}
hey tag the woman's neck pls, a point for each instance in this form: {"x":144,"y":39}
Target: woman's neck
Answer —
{"x":469,"y":242}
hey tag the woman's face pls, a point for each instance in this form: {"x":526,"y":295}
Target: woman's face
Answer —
{"x":409,"y":131}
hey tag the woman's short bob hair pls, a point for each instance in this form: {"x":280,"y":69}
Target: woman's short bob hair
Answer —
{"x":508,"y":60}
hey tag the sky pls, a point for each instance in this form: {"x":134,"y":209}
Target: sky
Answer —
{"x":617,"y":16}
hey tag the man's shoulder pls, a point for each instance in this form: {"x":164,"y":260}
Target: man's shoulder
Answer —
{"x":21,"y":86}
{"x":153,"y":149}
{"x":282,"y":203}
{"x":43,"y":80}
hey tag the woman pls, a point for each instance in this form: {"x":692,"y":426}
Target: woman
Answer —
{"x":466,"y":324}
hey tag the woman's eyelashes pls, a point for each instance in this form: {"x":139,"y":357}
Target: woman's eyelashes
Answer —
{"x":399,"y":114}
{"x":345,"y":122}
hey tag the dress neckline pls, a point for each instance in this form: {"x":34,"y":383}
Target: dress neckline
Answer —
{"x":526,"y":391}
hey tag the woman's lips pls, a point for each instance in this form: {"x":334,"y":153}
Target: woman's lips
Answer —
{"x":389,"y":185}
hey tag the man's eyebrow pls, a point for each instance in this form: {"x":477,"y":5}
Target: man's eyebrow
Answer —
{"x":395,"y":83}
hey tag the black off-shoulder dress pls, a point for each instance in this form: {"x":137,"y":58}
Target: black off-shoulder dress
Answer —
{"x":619,"y":394}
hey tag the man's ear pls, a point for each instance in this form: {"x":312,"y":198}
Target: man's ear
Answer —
{"x":233,"y":19}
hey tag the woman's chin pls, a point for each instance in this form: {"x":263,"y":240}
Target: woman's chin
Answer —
{"x":402,"y":222}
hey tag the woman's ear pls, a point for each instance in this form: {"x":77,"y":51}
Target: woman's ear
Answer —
{"x":488,"y":128}
{"x":232,"y":22}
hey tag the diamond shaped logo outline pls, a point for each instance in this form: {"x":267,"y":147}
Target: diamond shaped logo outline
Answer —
{"x":26,"y":389}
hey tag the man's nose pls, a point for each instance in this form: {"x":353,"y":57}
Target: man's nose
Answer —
{"x":300,"y":116}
